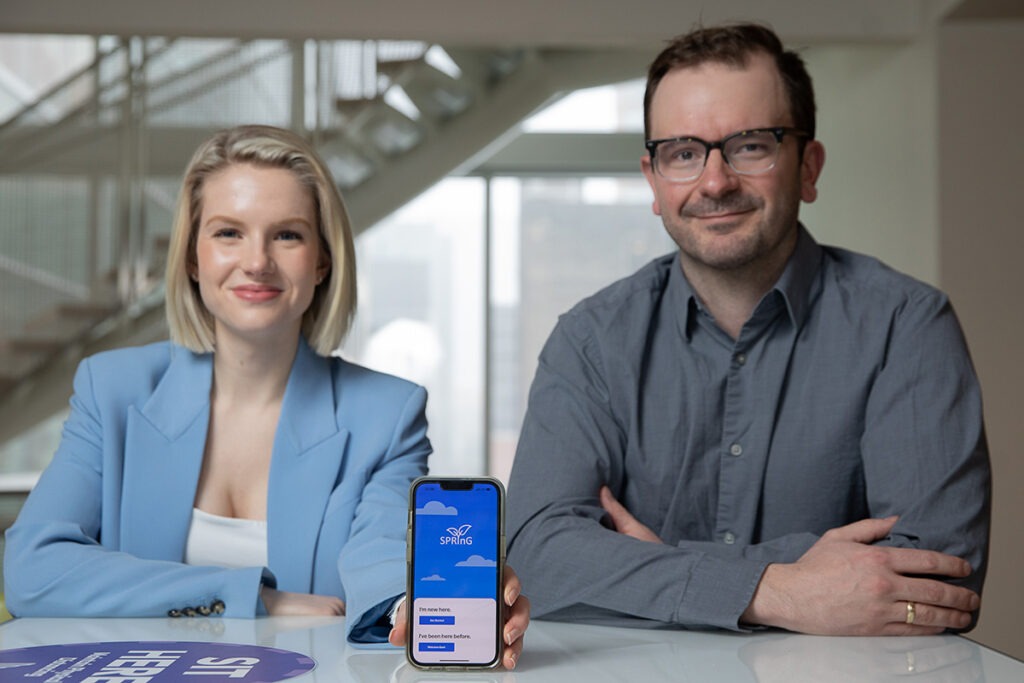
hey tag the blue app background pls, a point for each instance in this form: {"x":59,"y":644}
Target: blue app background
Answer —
{"x":456,"y":537}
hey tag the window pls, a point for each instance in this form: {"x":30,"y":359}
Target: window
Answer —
{"x":422,"y":302}
{"x":421,"y":313}
{"x":461,"y":299}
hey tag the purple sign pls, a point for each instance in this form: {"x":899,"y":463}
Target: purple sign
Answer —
{"x":151,"y":661}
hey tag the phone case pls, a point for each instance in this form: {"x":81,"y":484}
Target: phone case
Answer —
{"x":458,"y":534}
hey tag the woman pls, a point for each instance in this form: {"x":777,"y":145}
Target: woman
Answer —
{"x":239,"y":469}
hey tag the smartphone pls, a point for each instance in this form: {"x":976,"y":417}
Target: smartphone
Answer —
{"x":455,"y":557}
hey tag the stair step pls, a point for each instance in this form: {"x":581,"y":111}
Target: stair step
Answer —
{"x":67,"y":320}
{"x":33,"y":345}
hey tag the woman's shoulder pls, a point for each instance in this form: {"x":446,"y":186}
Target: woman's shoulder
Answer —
{"x":356,"y":373}
{"x":135,"y":362}
{"x":129,"y":371}
{"x":359,"y":378}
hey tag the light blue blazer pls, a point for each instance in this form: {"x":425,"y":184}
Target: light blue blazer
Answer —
{"x":104,"y":531}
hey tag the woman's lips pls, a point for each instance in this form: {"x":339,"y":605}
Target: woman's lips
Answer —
{"x":256,"y":293}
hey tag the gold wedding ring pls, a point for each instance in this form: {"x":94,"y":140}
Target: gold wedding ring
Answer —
{"x":911,"y":612}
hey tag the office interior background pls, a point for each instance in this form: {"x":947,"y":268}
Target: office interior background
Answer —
{"x":489,"y":155}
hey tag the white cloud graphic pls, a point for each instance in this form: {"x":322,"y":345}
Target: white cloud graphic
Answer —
{"x":436,"y":507}
{"x":433,"y":577}
{"x":476,"y":561}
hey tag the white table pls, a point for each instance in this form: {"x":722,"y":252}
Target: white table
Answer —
{"x":568,"y":652}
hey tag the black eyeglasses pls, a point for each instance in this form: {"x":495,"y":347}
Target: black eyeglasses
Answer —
{"x":748,"y":152}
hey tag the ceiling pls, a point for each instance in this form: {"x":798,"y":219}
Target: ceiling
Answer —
{"x":531,"y":23}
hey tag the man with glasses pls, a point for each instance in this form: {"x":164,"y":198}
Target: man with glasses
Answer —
{"x":755,"y":430}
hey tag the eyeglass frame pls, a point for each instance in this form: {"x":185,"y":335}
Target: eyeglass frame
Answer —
{"x":778,"y":131}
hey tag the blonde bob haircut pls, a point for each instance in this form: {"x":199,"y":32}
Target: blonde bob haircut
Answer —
{"x":329,"y":315}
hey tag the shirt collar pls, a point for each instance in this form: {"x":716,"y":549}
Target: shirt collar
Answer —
{"x":796,"y":285}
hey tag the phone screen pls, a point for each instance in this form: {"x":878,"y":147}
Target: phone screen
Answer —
{"x":456,"y":541}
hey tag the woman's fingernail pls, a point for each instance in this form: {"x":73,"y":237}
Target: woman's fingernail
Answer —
{"x":511,"y":636}
{"x":511,"y":663}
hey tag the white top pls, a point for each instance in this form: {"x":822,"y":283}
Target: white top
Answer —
{"x":226,"y":541}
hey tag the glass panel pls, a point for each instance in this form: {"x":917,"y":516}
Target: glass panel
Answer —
{"x":421,"y":306}
{"x":31,"y":65}
{"x":605,"y":109}
{"x":220,"y":83}
{"x":45,"y":245}
{"x":555,"y":241}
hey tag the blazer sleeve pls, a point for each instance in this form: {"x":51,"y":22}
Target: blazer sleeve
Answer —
{"x":372,"y":562}
{"x":57,"y":562}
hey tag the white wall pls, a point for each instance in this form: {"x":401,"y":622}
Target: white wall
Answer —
{"x":925,"y":171}
{"x":877,"y":120}
{"x":981,"y":160}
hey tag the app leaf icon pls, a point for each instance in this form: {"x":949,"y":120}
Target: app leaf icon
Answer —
{"x":460,"y":531}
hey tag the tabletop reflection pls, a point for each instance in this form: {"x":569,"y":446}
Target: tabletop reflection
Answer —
{"x":559,"y":652}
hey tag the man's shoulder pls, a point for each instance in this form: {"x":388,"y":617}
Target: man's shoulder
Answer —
{"x":615,"y":321}
{"x":874,"y":282}
{"x":635,"y":295}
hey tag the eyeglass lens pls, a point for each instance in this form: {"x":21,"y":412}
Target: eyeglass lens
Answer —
{"x":747,"y":153}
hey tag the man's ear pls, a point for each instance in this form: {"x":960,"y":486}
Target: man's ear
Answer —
{"x":648,"y":169}
{"x":810,"y":169}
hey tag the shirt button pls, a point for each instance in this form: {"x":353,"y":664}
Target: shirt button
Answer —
{"x":729,"y":538}
{"x":736,"y":449}
{"x":741,"y":358}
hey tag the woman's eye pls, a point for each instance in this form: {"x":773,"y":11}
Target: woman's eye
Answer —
{"x":226,"y":232}
{"x":289,"y":235}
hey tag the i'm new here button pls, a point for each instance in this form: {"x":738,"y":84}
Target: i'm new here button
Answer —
{"x":436,"y":621}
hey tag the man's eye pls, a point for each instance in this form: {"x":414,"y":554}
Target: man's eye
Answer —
{"x":752,"y":148}
{"x":683,"y":154}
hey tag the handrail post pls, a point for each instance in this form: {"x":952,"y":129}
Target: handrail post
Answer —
{"x":298,"y":91}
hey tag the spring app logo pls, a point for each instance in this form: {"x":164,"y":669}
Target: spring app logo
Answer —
{"x":458,"y":535}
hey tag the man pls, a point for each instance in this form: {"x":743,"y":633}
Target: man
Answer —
{"x":757,"y":430}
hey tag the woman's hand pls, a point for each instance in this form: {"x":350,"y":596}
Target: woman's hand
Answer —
{"x":517,"y":620}
{"x":284,"y":604}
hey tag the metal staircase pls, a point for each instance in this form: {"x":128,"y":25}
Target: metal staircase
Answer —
{"x":82,"y":271}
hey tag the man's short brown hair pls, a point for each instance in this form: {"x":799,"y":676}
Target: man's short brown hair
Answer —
{"x":733,"y":45}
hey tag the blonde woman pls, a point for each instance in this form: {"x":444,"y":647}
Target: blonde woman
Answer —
{"x":239,"y":469}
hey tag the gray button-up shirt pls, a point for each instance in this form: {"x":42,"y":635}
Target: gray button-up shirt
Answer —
{"x":848,"y":394}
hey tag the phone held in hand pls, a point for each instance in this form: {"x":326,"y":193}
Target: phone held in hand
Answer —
{"x":455,"y":559}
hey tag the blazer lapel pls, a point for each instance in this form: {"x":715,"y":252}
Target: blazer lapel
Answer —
{"x":163,"y":454}
{"x":304,"y":470}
